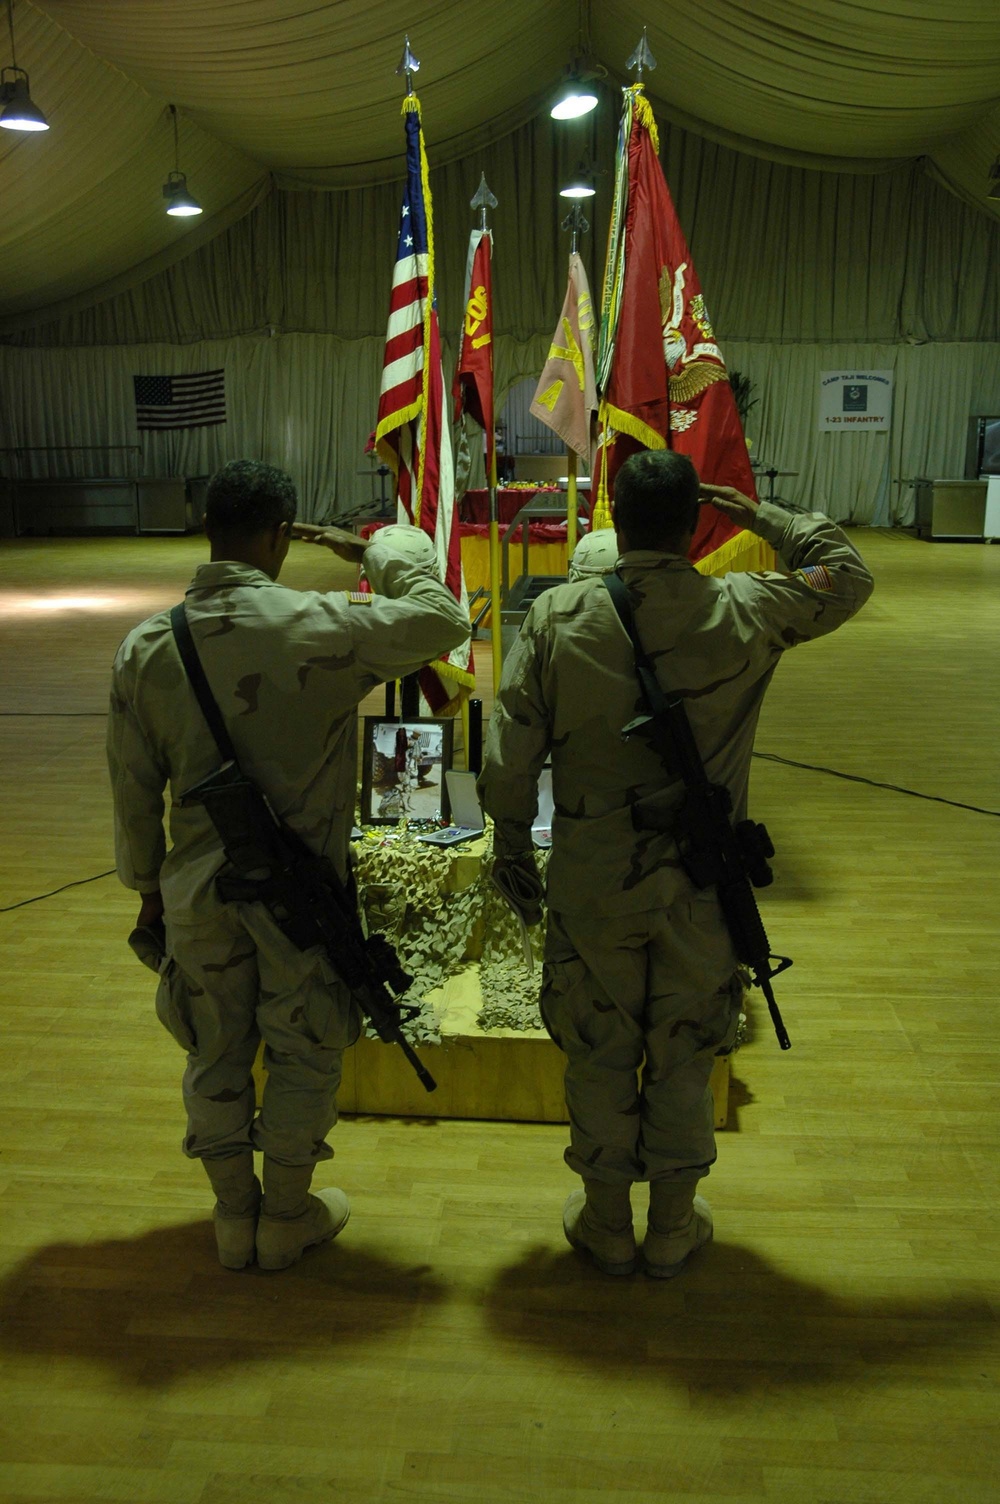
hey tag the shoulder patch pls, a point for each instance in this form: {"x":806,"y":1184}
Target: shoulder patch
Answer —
{"x":359,"y":598}
{"x":816,"y":576}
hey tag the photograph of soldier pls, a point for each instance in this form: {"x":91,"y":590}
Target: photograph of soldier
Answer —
{"x":640,"y":987}
{"x":287,"y":669}
{"x":403,"y":770}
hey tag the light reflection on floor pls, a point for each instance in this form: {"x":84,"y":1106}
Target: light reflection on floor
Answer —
{"x":134,"y":602}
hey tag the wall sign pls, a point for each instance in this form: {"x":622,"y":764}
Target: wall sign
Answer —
{"x":849,"y":400}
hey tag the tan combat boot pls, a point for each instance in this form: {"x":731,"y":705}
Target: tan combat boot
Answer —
{"x":598,"y":1221}
{"x":291,"y":1220}
{"x":679,"y":1223}
{"x":237,"y":1203}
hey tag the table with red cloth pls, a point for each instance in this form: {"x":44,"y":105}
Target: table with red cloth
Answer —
{"x":546,"y":549}
{"x":475,"y":505}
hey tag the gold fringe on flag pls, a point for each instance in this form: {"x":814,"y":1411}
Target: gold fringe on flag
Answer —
{"x":744,"y":552}
{"x":461,"y":677}
{"x":644,"y":110}
{"x":623,"y":422}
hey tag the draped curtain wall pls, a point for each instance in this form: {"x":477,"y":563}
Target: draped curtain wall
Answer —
{"x":865,"y":476}
{"x":804,"y":271}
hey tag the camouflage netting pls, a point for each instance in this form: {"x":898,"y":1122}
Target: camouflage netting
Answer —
{"x":402,"y":887}
{"x":401,"y":884}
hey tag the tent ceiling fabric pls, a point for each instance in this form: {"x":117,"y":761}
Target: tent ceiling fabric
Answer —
{"x":307,"y":93}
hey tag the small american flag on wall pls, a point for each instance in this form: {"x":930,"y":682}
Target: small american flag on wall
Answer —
{"x":197,"y":400}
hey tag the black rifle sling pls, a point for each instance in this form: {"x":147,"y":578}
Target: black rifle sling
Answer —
{"x":374,"y":950}
{"x":615,"y":586}
{"x":196,"y":674}
{"x":660,"y":708}
{"x":671,"y":714}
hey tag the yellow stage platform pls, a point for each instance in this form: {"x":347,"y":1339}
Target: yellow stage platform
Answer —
{"x":504,"y":1074}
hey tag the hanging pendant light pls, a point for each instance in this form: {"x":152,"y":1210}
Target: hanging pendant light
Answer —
{"x":576,"y":97}
{"x":18,"y":112}
{"x":581,"y":183}
{"x":180,"y":203}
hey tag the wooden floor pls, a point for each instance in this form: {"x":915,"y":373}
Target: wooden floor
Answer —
{"x":836,"y":1343}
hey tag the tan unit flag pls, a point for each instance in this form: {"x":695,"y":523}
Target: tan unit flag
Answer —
{"x":566,"y":398}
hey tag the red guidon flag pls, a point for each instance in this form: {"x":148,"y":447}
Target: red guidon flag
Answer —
{"x":473,"y":384}
{"x":661,"y":375}
{"x":412,"y":434}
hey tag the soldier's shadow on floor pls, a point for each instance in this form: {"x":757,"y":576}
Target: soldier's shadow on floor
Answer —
{"x":159,"y":1308}
{"x":730,"y":1323}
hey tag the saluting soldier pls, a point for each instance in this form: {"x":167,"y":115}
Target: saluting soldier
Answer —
{"x":288,"y":669}
{"x":640,"y":987}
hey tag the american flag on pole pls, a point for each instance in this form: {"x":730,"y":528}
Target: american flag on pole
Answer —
{"x":412,"y":435}
{"x":196,"y":400}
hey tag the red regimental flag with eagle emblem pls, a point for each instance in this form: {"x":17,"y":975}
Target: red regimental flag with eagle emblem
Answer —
{"x":662,"y":377}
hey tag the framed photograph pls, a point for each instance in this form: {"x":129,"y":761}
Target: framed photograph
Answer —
{"x":403,"y":764}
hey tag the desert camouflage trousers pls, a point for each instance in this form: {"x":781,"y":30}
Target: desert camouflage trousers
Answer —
{"x":641,"y":1005}
{"x":229,"y":982}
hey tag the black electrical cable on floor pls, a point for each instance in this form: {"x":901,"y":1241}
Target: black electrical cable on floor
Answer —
{"x":810,"y":767}
{"x":874,"y":783}
{"x":79,"y":882}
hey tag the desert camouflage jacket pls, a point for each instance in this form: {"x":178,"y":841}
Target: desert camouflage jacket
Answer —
{"x":569,"y":686}
{"x":288,"y":669}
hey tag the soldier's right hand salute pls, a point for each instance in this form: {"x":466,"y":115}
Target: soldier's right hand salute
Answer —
{"x":732,"y":503}
{"x":345,"y":544}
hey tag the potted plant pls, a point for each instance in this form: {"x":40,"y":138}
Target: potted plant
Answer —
{"x":743,"y":389}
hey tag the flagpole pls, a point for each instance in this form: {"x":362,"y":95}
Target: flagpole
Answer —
{"x":482,"y":201}
{"x":571,"y":503}
{"x":640,"y":60}
{"x":495,"y":625}
{"x":409,"y":685}
{"x":575,"y":223}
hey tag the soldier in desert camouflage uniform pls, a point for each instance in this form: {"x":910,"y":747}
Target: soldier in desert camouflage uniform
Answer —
{"x":640,"y":970}
{"x":288,"y":670}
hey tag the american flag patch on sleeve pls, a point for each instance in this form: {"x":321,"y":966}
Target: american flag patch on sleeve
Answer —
{"x":816,"y":576}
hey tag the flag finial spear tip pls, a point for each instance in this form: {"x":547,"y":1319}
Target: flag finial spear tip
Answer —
{"x":577,"y":224}
{"x":484,"y":198}
{"x":642,"y":57}
{"x":576,"y":221}
{"x":408,"y":65}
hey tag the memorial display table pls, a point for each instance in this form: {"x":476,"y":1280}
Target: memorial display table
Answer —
{"x":505,"y":1073}
{"x":546,"y":550}
{"x":475,"y":505}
